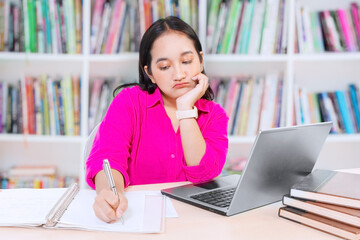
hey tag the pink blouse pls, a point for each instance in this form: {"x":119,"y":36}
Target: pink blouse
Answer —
{"x":138,"y":139}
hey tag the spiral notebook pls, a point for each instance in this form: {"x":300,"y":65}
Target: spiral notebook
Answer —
{"x":72,"y":209}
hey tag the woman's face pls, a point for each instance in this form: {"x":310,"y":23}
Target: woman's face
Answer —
{"x":174,"y":62}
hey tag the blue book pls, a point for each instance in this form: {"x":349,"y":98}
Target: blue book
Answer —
{"x":344,"y":111}
{"x":354,"y":101}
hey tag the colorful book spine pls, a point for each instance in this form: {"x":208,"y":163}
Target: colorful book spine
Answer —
{"x":77,"y":103}
{"x":78,"y":23}
{"x":344,"y":111}
{"x":96,"y":23}
{"x":356,"y":18}
{"x":354,"y":95}
{"x":66,"y":88}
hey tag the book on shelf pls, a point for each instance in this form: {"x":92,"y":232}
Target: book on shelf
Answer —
{"x":117,"y":26}
{"x":335,"y":30}
{"x":71,"y":208}
{"x":251,"y":102}
{"x":340,"y":106}
{"x":242,"y":27}
{"x":324,"y":224}
{"x":101,"y":96}
{"x":34,"y":176}
{"x":339,"y":213}
{"x":41,"y":105}
{"x":332,"y":187}
{"x":40,"y":26}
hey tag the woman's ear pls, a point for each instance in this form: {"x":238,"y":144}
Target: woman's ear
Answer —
{"x":149,"y":75}
{"x":202,"y":61}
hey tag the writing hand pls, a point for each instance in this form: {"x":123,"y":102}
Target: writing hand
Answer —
{"x":187,"y":101}
{"x":108,"y":207}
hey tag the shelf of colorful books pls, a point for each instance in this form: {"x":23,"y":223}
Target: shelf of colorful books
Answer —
{"x":40,"y":139}
{"x":247,"y":27}
{"x":330,"y":27}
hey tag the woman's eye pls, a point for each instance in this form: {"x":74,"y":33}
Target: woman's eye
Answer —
{"x":164,"y":68}
{"x":187,"y":62}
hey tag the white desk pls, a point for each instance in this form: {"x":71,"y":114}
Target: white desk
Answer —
{"x":193,"y":223}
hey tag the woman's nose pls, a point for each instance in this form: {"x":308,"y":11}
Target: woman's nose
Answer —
{"x":179,"y":73}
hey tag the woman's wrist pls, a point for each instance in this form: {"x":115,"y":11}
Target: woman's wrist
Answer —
{"x":181,"y":106}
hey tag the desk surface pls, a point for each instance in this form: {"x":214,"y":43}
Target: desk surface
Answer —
{"x":192,"y":223}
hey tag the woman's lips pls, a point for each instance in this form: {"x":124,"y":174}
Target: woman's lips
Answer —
{"x":181,"y":85}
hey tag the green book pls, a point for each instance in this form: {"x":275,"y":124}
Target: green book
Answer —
{"x":211,"y":23}
{"x":26,"y":26}
{"x":44,"y":97}
{"x":245,"y":31}
{"x":263,"y":25}
{"x":32,"y":25}
{"x":230,"y":22}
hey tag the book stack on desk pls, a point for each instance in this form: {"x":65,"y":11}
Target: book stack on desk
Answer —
{"x":326,"y":200}
{"x":34,"y":176}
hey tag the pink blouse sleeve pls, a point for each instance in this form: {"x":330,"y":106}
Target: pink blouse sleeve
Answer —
{"x":216,"y":139}
{"x":113,"y":139}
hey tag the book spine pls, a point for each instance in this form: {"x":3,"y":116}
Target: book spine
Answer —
{"x":354,"y":95}
{"x":16,"y":28}
{"x":346,"y":30}
{"x":4,"y":25}
{"x":47,"y":24}
{"x":44,"y":96}
{"x":344,"y":111}
{"x":114,"y":28}
{"x":356,"y":19}
{"x":76,"y":101}
{"x":96,"y":23}
{"x":78,"y":25}
{"x":39,"y":25}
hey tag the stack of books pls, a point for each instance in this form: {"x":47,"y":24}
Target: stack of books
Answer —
{"x":328,"y":201}
{"x":34,"y":176}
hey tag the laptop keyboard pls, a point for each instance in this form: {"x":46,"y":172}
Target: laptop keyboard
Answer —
{"x":219,"y":197}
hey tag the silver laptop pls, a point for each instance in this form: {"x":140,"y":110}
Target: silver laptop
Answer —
{"x":279,"y":158}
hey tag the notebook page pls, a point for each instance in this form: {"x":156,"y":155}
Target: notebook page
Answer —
{"x":80,"y":214}
{"x":27,"y":207}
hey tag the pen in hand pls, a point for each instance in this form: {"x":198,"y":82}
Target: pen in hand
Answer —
{"x":110,"y":179}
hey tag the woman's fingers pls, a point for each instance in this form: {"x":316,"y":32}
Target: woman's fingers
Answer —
{"x":123,"y":205}
{"x":108,"y":207}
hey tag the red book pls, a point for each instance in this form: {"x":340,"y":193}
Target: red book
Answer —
{"x":30,"y":104}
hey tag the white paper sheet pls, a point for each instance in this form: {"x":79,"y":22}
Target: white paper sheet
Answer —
{"x":27,"y":207}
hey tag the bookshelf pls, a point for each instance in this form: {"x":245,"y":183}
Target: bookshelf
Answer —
{"x":315,"y":71}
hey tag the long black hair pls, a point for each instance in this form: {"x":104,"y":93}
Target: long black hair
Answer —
{"x":154,"y":31}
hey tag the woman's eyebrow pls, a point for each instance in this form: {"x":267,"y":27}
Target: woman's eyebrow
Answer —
{"x":187,"y":52}
{"x":161,"y":59}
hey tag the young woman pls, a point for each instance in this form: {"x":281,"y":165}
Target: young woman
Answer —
{"x":163,"y":129}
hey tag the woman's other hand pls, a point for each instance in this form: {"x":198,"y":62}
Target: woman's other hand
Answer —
{"x":187,"y":101}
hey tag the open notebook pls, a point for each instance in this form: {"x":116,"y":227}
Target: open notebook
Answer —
{"x":72,"y":208}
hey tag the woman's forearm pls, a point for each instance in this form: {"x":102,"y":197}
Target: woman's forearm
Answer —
{"x":193,"y":142}
{"x":101,"y":181}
